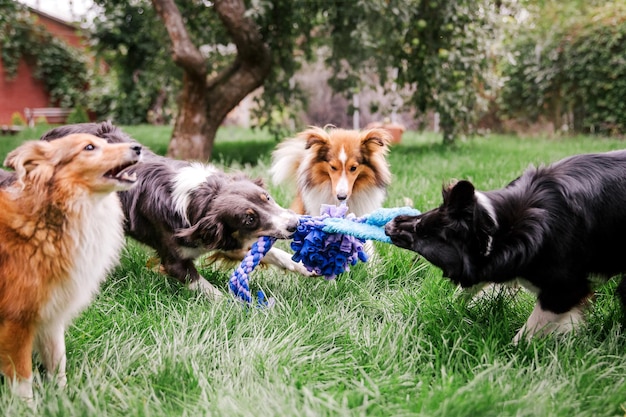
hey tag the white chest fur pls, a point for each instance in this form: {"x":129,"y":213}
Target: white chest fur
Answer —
{"x":99,"y":237}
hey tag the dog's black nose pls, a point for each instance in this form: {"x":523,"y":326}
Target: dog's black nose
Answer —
{"x":137,"y":149}
{"x":292,"y":227}
{"x":342,"y":197}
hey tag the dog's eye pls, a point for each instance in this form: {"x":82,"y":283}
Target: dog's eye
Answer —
{"x":353,"y":168}
{"x":334,"y":168}
{"x":249,"y":220}
{"x":89,"y":147}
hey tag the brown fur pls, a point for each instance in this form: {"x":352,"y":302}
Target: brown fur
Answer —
{"x":44,"y":220}
{"x":332,"y":165}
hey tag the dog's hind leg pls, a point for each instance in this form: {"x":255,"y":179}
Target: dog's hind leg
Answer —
{"x":50,"y":343}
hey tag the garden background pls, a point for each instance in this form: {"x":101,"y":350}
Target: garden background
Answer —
{"x":484,"y":89}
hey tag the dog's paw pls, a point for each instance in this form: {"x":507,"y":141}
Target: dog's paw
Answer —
{"x":60,"y":379}
{"x":301,"y":269}
{"x":23,"y":388}
{"x":205,"y":287}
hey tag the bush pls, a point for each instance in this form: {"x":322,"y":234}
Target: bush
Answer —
{"x":576,"y":77}
{"x":62,"y":69}
{"x":17,"y":119}
{"x":78,"y":115}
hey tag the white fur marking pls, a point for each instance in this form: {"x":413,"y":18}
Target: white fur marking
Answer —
{"x":343,"y":156}
{"x":483,"y":201}
{"x":542,"y":322}
{"x":342,"y":185}
{"x":185,"y":181}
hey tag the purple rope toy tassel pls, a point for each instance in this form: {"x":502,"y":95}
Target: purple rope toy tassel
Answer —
{"x":239,"y":280}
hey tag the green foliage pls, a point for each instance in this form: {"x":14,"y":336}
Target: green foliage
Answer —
{"x":439,"y":51}
{"x":17,"y":119}
{"x":77,"y":115}
{"x":133,"y":41}
{"x":62,"y":69}
{"x":446,"y":54}
{"x":578,"y":71}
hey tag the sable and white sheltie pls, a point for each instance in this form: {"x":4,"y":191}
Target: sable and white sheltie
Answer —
{"x":61,"y":231}
{"x":330,"y":166}
{"x":552,"y":227}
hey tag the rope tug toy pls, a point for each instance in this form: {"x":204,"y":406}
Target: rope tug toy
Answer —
{"x":326,"y":245}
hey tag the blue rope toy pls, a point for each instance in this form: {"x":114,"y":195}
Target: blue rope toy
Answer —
{"x":326,"y":245}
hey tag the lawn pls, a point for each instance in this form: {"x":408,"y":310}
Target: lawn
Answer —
{"x":392,"y":339}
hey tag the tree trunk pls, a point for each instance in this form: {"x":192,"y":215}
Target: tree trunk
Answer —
{"x":204,"y":102}
{"x":191,"y":130}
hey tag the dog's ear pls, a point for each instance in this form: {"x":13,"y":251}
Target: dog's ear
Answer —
{"x":204,"y":230}
{"x":243,"y":177}
{"x":314,"y":136}
{"x":375,"y":139}
{"x":459,"y":197}
{"x":210,"y":232}
{"x":259,"y":182}
{"x":35,"y":159}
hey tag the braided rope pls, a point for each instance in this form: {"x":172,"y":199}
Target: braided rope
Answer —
{"x":238,"y":282}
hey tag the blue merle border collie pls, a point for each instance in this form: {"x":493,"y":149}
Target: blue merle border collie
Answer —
{"x":551,"y":228}
{"x":187,"y":209}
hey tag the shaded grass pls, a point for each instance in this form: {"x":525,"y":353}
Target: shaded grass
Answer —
{"x":391,"y":339}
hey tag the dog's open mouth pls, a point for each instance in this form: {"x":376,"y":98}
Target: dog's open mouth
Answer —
{"x":118,"y":173}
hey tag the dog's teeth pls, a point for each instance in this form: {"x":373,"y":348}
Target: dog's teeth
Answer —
{"x":126,"y":177}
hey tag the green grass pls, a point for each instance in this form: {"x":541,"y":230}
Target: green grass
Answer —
{"x":394,"y":340}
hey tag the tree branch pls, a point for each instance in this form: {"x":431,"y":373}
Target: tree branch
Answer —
{"x":244,"y":32}
{"x":184,"y":52}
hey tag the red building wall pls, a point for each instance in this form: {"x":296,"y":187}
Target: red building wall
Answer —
{"x":24,"y":90}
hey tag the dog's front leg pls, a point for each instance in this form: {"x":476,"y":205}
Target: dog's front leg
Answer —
{"x":542,"y":322}
{"x":16,"y":348}
{"x":205,"y":287}
{"x":282,"y":259}
{"x":50,"y":343}
{"x":185,"y":271}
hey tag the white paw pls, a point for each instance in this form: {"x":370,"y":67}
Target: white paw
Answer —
{"x":543,"y":322}
{"x":203,"y":286}
{"x":61,"y":380}
{"x":301,"y":269}
{"x":23,"y":388}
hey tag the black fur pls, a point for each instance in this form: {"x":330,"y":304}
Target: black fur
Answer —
{"x":553,"y":226}
{"x":225,"y":212}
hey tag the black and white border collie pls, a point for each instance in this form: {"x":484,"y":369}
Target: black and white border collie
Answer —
{"x":551,"y":228}
{"x":187,"y":209}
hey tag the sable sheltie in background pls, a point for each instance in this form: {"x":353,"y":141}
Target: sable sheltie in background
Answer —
{"x":61,"y":231}
{"x":334,"y":165}
{"x":552,"y":227}
{"x":186,"y":209}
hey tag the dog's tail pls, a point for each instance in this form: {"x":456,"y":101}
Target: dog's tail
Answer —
{"x":286,"y":160}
